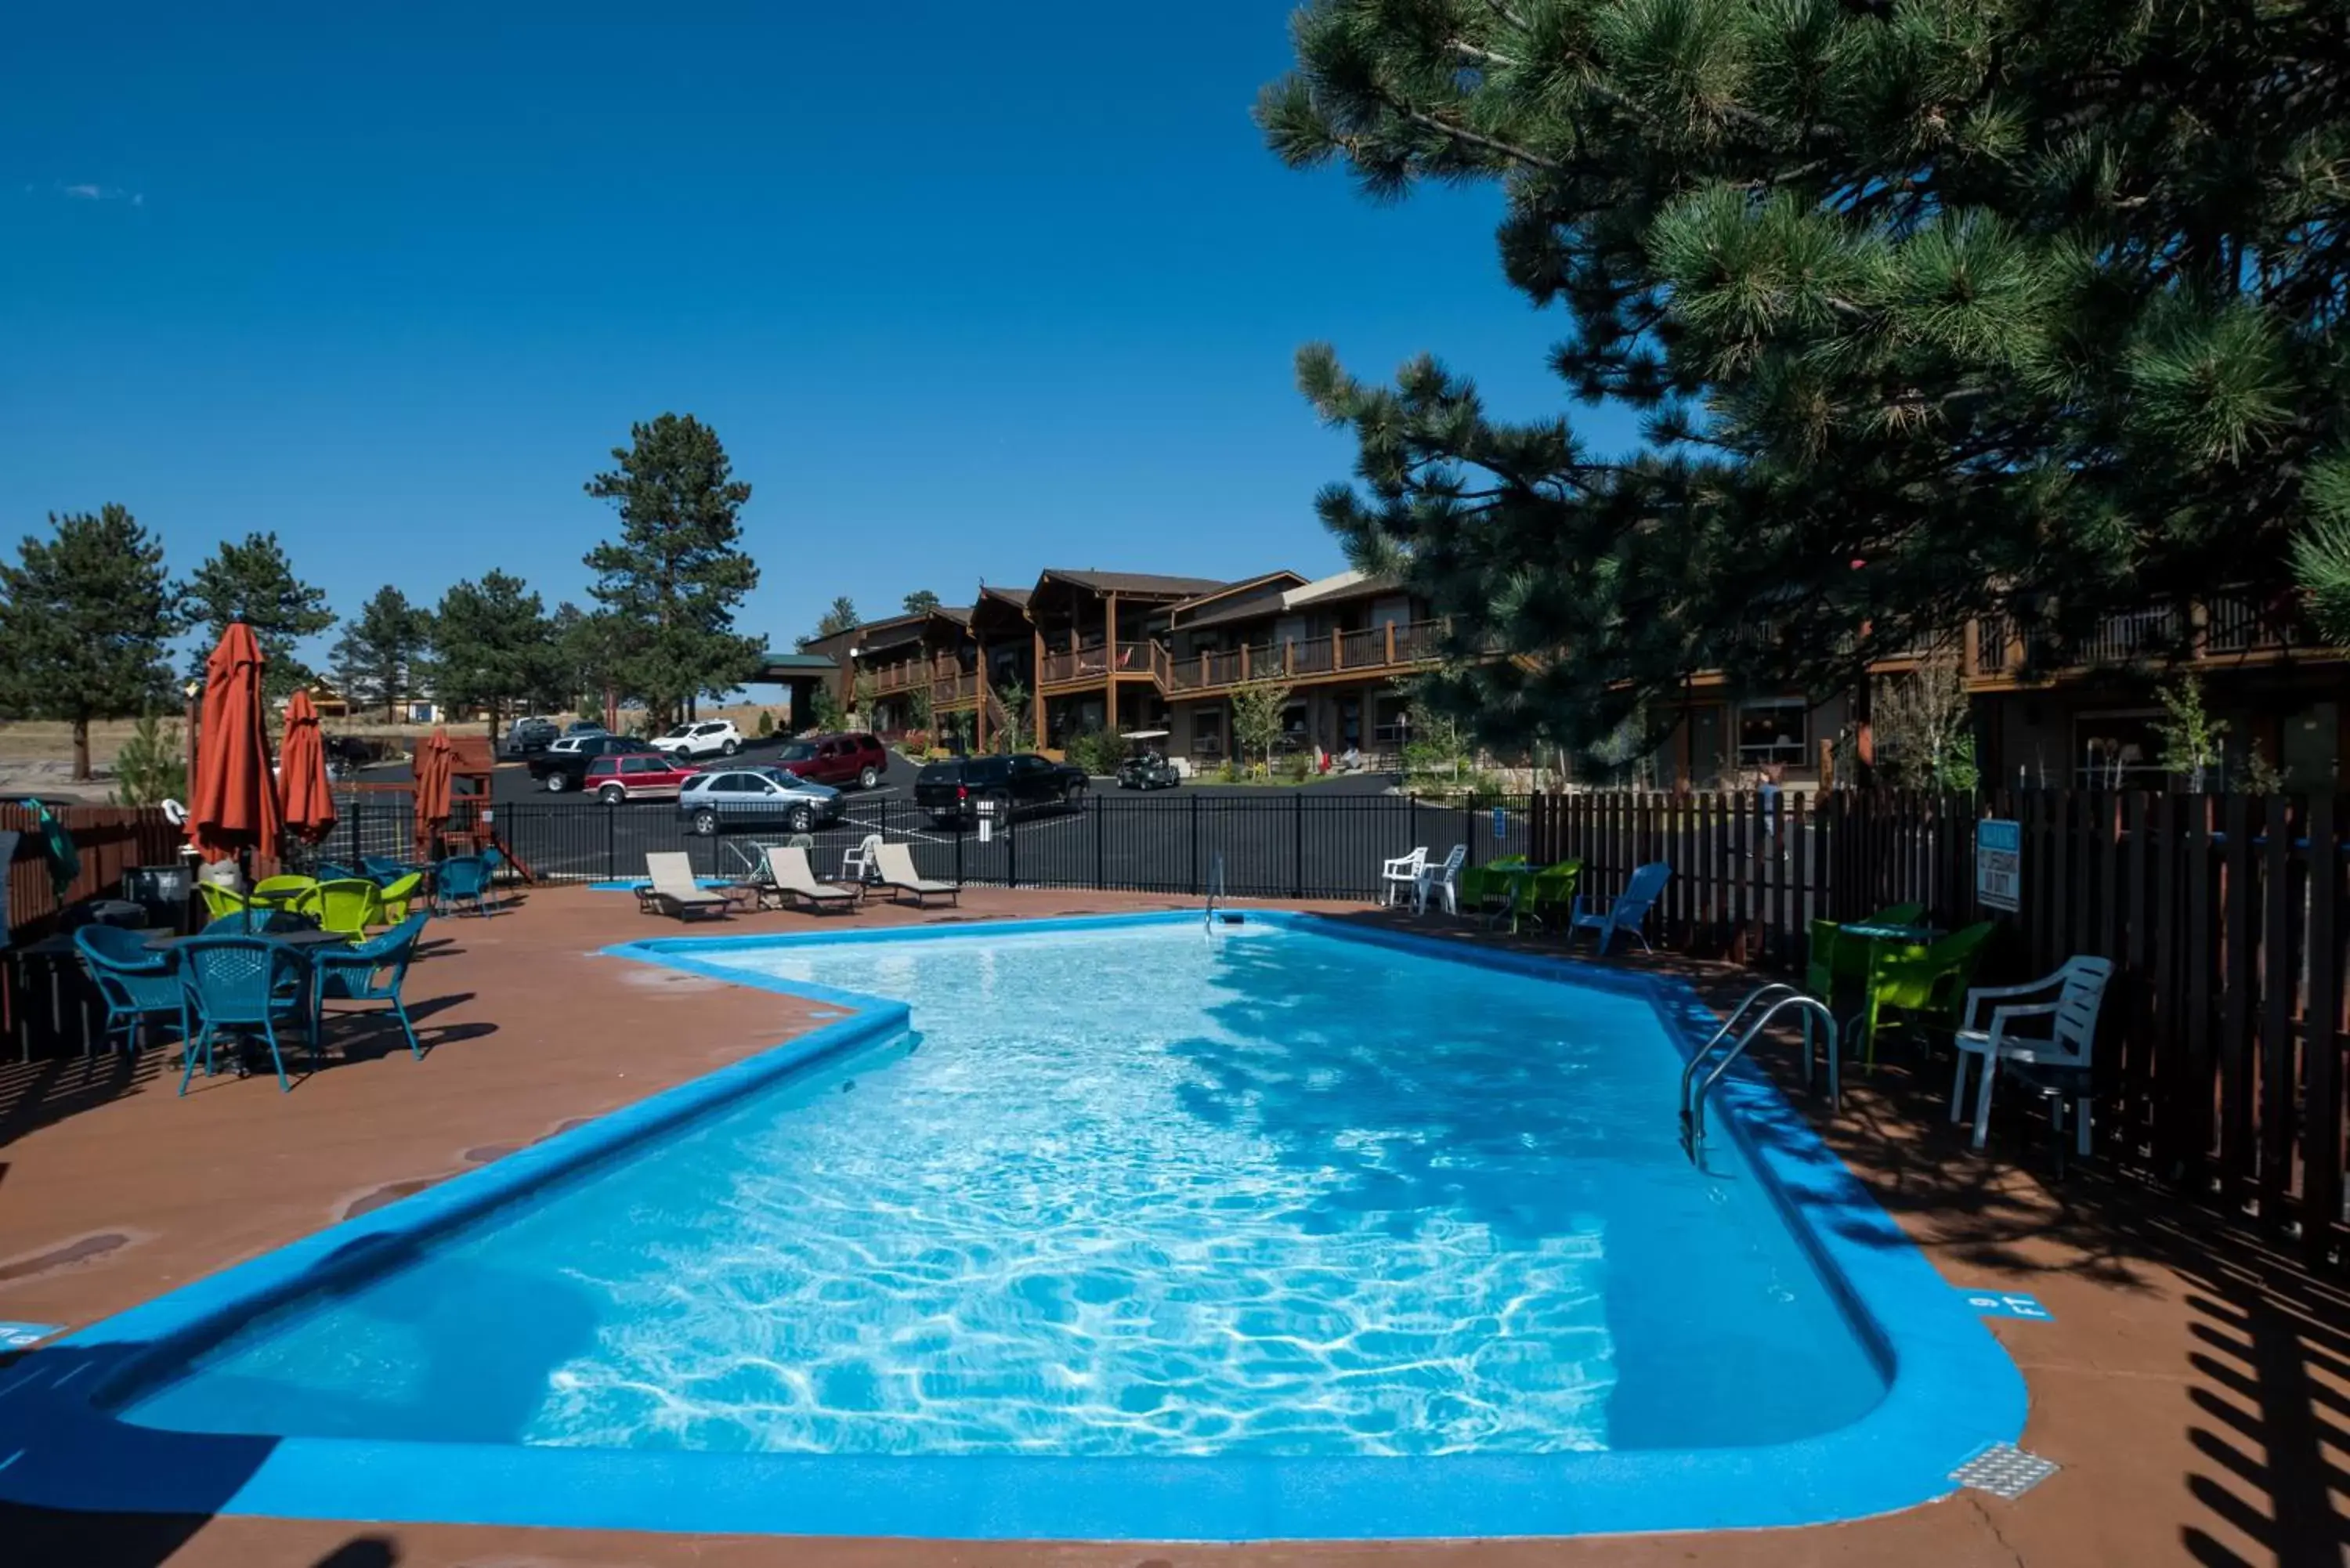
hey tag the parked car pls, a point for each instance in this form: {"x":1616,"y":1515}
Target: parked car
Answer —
{"x":1146,"y":767}
{"x":707,"y":738}
{"x":528,"y":735}
{"x":585,"y":727}
{"x":564,"y":765}
{"x":637,"y":776}
{"x":959,"y":787}
{"x":839,"y":760}
{"x":721,"y":798}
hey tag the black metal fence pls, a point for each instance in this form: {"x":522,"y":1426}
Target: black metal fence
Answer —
{"x":1283,"y":844}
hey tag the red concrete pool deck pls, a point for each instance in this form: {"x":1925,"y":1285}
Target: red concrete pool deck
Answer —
{"x":2194,"y":1385}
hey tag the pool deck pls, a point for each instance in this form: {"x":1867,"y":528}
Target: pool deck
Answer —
{"x":2194,"y":1387}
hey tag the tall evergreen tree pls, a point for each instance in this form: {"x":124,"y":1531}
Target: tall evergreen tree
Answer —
{"x":253,"y":579}
{"x":838,"y":617}
{"x":1934,"y":309}
{"x":84,"y":617}
{"x":493,"y":647}
{"x":376,"y":658}
{"x":920,"y":602}
{"x":676,"y":572}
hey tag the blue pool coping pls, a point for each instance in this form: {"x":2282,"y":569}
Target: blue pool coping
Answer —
{"x":1951,"y":1389}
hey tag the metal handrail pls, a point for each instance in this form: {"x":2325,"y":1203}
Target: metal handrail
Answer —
{"x":1695,"y":1089}
{"x":1215,"y":892}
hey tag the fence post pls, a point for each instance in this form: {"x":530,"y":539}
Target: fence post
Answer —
{"x":611,"y":851}
{"x":1011,"y":850}
{"x":1194,"y":801}
{"x":958,"y":844}
{"x":1101,"y":871}
{"x":1297,"y":858}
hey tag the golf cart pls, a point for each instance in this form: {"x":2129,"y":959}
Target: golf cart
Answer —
{"x":1146,"y":767}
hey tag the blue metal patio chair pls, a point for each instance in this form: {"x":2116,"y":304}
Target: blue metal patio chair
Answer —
{"x":370,"y":970}
{"x":334,"y":871}
{"x":260,"y":922}
{"x":135,"y":983}
{"x":459,"y":878}
{"x":240,"y":985}
{"x":383,"y":869}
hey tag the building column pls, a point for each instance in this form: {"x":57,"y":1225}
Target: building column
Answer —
{"x":1109,"y":667}
{"x":979,"y":692}
{"x":1036,"y":689}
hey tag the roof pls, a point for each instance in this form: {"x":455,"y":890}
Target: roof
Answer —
{"x":1282,"y":578}
{"x":1013,"y":595}
{"x":1270,"y":598}
{"x":1347,"y":585}
{"x":772,"y":663}
{"x":1133,"y":583}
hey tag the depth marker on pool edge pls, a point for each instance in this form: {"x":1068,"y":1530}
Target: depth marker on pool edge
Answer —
{"x":2007,"y":1303}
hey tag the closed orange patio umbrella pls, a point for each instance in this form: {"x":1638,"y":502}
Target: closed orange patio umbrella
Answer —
{"x":433,"y":765}
{"x":309,"y":794}
{"x":235,"y":808}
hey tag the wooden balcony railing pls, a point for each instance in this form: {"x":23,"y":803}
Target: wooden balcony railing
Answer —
{"x":1077,"y":666}
{"x":1375,"y":648}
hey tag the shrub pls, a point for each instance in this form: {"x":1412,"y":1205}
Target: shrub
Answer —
{"x":1299,"y":768}
{"x":1096,"y":751}
{"x":766,"y":724}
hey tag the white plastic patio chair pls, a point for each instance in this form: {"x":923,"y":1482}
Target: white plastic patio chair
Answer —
{"x":1400,"y":877}
{"x":1629,"y":912}
{"x":1443,"y":878}
{"x":2061,"y":1055}
{"x":862,"y":864}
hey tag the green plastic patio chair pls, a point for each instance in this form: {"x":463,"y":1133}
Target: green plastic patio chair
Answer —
{"x":289,"y":891}
{"x":1850,"y":961}
{"x":396,"y":893}
{"x":1482,"y":885}
{"x":220,"y":901}
{"x":1927,"y":981}
{"x":349,"y":905}
{"x":1552,"y":889}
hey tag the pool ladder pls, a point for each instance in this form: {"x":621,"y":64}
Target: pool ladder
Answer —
{"x":1215,"y":892}
{"x":1779,"y":996}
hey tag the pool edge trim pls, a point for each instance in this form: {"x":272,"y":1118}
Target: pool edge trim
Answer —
{"x":1947,"y":1372}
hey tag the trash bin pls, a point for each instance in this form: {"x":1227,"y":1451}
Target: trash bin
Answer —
{"x":160,"y":891}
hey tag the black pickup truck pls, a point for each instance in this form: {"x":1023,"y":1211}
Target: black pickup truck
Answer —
{"x":564,"y":766}
{"x":957,"y":788}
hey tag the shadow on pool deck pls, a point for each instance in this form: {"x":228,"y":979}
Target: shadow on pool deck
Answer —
{"x":2195,"y":1385}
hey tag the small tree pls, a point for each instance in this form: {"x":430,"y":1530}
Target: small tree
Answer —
{"x":921,"y":601}
{"x":254,"y":581}
{"x":1925,"y":728}
{"x":824,"y":710}
{"x":918,"y":705}
{"x":860,"y":693}
{"x":2190,"y":736}
{"x":1258,"y":709}
{"x":1437,"y":745}
{"x":151,"y":767}
{"x":1013,"y":699}
{"x":83,"y":618}
{"x":766,"y":726}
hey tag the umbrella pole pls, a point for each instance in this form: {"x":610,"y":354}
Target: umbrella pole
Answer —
{"x":245,"y":876}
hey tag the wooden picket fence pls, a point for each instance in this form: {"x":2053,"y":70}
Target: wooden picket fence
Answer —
{"x":2220,"y":1059}
{"x":111,"y":840}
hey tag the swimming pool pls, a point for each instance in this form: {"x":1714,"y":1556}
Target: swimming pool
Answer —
{"x":1139,"y":1230}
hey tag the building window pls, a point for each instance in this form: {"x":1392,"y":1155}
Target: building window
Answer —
{"x":1772,"y":733}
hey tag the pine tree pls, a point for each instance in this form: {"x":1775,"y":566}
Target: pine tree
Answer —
{"x":922,"y":601}
{"x":84,"y":617}
{"x":376,"y":658}
{"x":676,"y":572}
{"x":838,"y":617}
{"x":493,"y":647}
{"x":1932,"y":309}
{"x":253,"y":579}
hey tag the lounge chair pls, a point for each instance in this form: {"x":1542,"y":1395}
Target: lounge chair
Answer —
{"x":794,"y":881}
{"x":1400,"y":877}
{"x":135,"y":983}
{"x":896,"y":864}
{"x":671,"y":891}
{"x":2056,"y":1063}
{"x":1629,"y":912}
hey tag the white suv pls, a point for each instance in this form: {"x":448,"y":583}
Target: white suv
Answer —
{"x":710,"y":738}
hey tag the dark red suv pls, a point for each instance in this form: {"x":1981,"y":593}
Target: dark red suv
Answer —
{"x":639,"y":776}
{"x":838,"y":760}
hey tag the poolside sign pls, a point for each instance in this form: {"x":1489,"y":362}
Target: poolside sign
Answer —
{"x":1500,"y":821}
{"x":1999,"y":864}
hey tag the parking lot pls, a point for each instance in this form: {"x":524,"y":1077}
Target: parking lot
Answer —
{"x":1325,"y":839}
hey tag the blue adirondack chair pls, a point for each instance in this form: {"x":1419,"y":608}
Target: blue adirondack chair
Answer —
{"x":243,"y":985}
{"x":1629,"y":912}
{"x":137,"y":984}
{"x":371,"y":971}
{"x":462,"y":877}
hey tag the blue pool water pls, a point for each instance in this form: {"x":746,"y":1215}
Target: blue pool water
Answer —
{"x":1135,"y":1192}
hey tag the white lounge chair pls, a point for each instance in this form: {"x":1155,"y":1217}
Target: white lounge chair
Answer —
{"x":2057,"y":1061}
{"x":1400,"y":877}
{"x":857,"y":865}
{"x":895,"y":862}
{"x":672,"y":889}
{"x":1443,"y":877}
{"x":1629,"y":912}
{"x":794,"y":880}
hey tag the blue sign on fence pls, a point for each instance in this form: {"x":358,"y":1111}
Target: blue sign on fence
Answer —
{"x":1999,"y":864}
{"x":2002,"y":1304}
{"x":25,"y":1336}
{"x":1500,"y":821}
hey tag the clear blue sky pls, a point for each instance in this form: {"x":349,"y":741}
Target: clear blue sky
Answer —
{"x":966,"y":289}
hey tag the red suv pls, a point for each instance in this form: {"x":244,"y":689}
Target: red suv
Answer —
{"x":838,"y":760}
{"x":637,"y":776}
